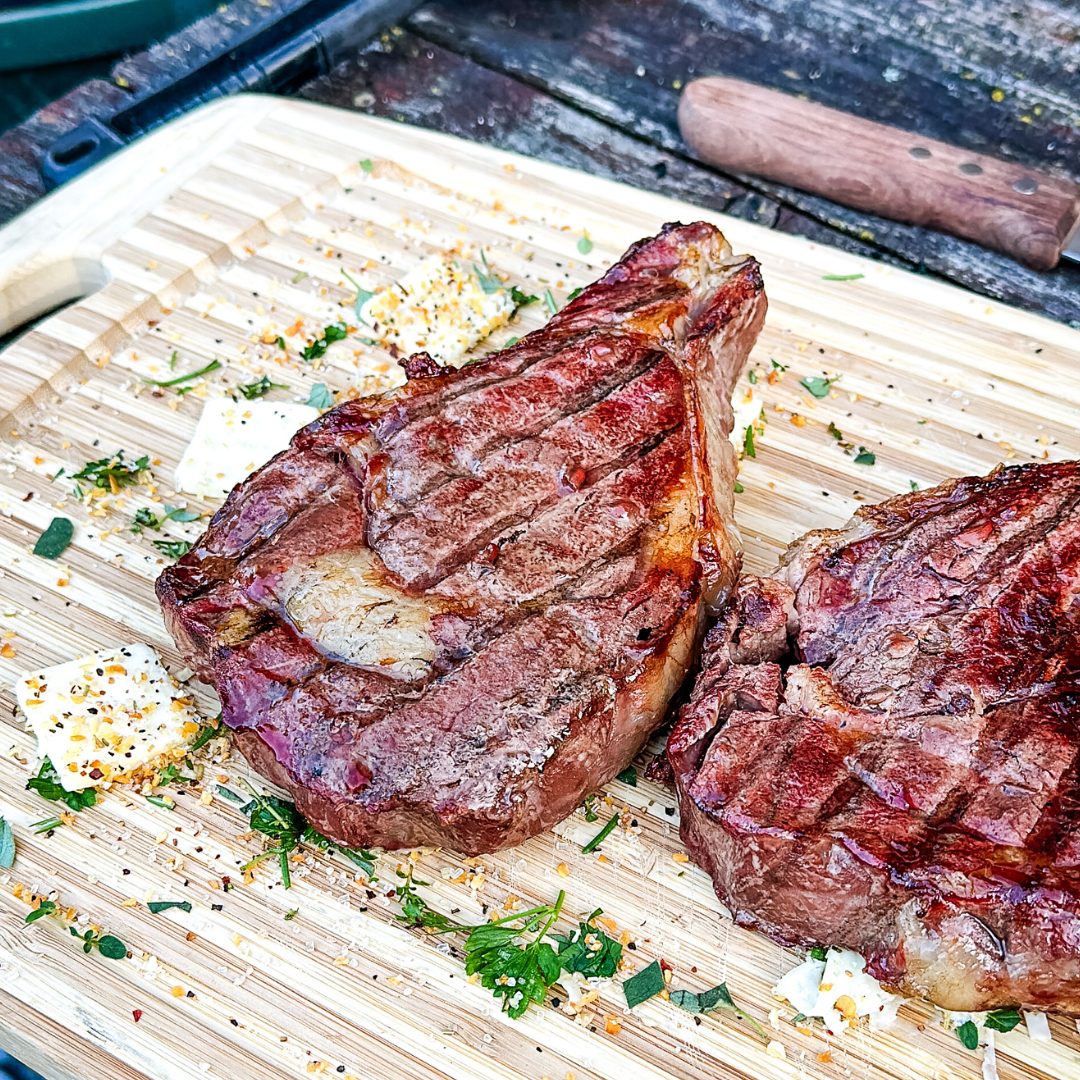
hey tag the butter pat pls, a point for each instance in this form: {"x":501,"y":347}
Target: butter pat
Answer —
{"x":106,"y":716}
{"x":232,"y":439}
{"x":438,"y":307}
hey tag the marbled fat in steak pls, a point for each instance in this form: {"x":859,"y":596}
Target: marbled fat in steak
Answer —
{"x":445,"y":614}
{"x":882,"y":749}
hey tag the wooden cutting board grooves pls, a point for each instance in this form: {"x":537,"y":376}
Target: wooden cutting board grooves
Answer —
{"x":228,"y":226}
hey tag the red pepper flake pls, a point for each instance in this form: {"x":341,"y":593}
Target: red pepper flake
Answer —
{"x":664,"y":965}
{"x":137,"y":1014}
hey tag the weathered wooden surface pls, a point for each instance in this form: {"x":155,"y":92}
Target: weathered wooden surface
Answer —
{"x":596,"y":84}
{"x":935,"y":380}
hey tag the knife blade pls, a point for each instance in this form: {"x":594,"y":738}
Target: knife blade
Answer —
{"x":741,"y":127}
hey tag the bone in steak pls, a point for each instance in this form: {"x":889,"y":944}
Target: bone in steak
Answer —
{"x":881,"y":751}
{"x":445,"y":614}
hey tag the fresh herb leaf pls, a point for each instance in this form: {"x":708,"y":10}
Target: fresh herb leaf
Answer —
{"x":173,"y":549}
{"x":46,"y":825}
{"x":54,"y":541}
{"x":229,"y":796}
{"x":46,"y":907}
{"x":295,"y":280}
{"x":739,"y":489}
{"x":511,"y":342}
{"x":751,"y":377}
{"x":602,"y":835}
{"x":628,"y":776}
{"x":321,"y":397}
{"x":841,"y":277}
{"x":550,"y":302}
{"x":590,"y":809}
{"x":7,"y":845}
{"x":173,"y":357}
{"x":748,"y":442}
{"x":1002,"y":1019}
{"x":716,"y":998}
{"x":865,"y":457}
{"x":818,"y":953}
{"x":254,"y":390}
{"x":158,"y":906}
{"x":913,"y":484}
{"x":835,"y":432}
{"x":145,"y":518}
{"x":368,"y":166}
{"x":584,"y":244}
{"x":47,"y":785}
{"x":817,"y":385}
{"x":188,"y":377}
{"x":520,"y":299}
{"x":111,"y":947}
{"x":159,"y":800}
{"x":290,"y":915}
{"x":414,"y":908}
{"x":332,"y":333}
{"x":777,"y":366}
{"x":488,"y":282}
{"x":180,"y":513}
{"x":208,"y":732}
{"x":968,"y":1034}
{"x":647,"y":983}
{"x":112,"y":473}
{"x":359,"y":300}
{"x":575,"y":293}
{"x":589,"y":951}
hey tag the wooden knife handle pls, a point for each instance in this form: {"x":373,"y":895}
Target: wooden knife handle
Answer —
{"x":741,"y":127}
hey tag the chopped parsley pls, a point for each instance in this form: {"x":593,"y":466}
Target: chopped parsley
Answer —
{"x":290,"y":915}
{"x":584,"y":244}
{"x":841,"y":277}
{"x":835,"y":432}
{"x":281,"y":821}
{"x":520,"y":299}
{"x":207,"y":733}
{"x":106,"y":944}
{"x":173,"y":549}
{"x":628,"y":776}
{"x":321,"y":397}
{"x":718,"y":997}
{"x":254,"y":390}
{"x":550,"y":302}
{"x":588,"y":951}
{"x":174,"y":356}
{"x":748,"y":442}
{"x":777,"y":366}
{"x":913,"y":484}
{"x":330,"y":334}
{"x":647,"y":983}
{"x":188,"y":377}
{"x":602,"y":835}
{"x":158,"y":906}
{"x":359,"y":300}
{"x":295,"y":280}
{"x":113,"y":473}
{"x":367,"y":166}
{"x":54,"y":541}
{"x":47,"y":785}
{"x":968,"y":1034}
{"x":575,"y":294}
{"x":590,"y":809}
{"x":415,"y":911}
{"x":145,"y":518}
{"x":817,"y":385}
{"x":865,"y":457}
{"x":818,"y":953}
{"x":751,"y":377}
{"x":7,"y":845}
{"x":739,"y":489}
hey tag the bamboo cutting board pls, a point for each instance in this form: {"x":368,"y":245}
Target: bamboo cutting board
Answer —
{"x":212,"y":237}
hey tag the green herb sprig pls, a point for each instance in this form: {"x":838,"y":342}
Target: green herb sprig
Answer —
{"x":189,"y":376}
{"x":47,"y":785}
{"x":330,"y":334}
{"x":112,"y":473}
{"x":263,"y":386}
{"x":106,"y":944}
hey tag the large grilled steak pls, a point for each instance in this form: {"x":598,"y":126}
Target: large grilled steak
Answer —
{"x":445,"y":614}
{"x":881,"y":751}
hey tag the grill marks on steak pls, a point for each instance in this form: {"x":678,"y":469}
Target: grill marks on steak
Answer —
{"x":898,"y":771}
{"x":446,"y":614}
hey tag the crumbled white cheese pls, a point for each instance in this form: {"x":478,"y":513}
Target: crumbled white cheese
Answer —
{"x":233,"y":438}
{"x":438,"y":307}
{"x":105,"y":716}
{"x":1038,"y":1027}
{"x":838,"y":990}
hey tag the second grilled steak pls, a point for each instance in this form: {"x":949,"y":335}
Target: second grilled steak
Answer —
{"x":445,"y":614}
{"x":881,"y":752}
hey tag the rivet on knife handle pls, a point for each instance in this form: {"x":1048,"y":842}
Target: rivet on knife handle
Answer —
{"x":741,"y":127}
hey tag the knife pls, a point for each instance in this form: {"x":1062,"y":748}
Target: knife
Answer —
{"x":741,"y":127}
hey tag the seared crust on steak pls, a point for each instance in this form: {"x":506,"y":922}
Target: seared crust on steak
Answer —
{"x":881,"y":752}
{"x":445,"y":614}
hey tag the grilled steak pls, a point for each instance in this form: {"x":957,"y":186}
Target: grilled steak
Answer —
{"x":445,"y":614}
{"x":882,"y":749}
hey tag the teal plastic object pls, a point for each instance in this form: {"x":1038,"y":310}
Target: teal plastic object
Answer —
{"x":34,"y":35}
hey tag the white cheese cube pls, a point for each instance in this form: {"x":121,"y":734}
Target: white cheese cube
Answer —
{"x":233,"y":438}
{"x":106,"y":716}
{"x":438,"y":307}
